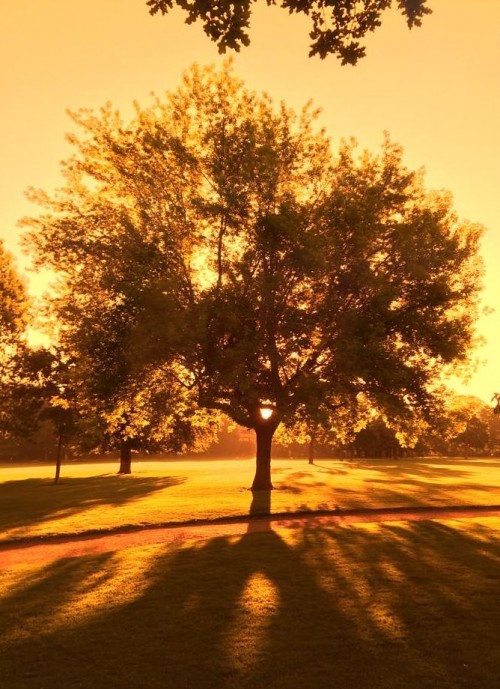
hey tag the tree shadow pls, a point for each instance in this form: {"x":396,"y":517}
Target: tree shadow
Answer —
{"x":37,"y":500}
{"x":261,"y":503}
{"x":407,"y":482}
{"x":328,"y":470}
{"x":405,"y":605}
{"x":260,"y":510}
{"x":435,"y":467}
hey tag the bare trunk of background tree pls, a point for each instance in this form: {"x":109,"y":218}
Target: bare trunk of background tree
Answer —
{"x":311,"y":449}
{"x":60,"y":447}
{"x":264,"y":437}
{"x":125,"y":459}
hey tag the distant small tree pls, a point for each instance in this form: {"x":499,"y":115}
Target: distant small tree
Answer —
{"x":37,"y":390}
{"x":21,"y":394}
{"x":58,"y":390}
{"x":327,"y":422}
{"x":493,"y":422}
{"x":156,"y":414}
{"x":377,"y":440}
{"x":460,"y":427}
{"x":337,"y":25}
{"x":496,"y":400}
{"x":475,"y":438}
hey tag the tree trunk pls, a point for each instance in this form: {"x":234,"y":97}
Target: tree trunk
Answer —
{"x":125,"y":459}
{"x":311,"y":449}
{"x":264,"y":437}
{"x":59,"y":455}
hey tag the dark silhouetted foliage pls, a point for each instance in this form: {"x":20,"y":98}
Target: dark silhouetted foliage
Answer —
{"x":338,"y":26}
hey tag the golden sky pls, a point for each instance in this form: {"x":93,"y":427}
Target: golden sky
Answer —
{"x":435,"y":89}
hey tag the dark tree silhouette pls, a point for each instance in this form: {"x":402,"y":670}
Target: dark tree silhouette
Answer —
{"x":338,"y":26}
{"x":269,"y":275}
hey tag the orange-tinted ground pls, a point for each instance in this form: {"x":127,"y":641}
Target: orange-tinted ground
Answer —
{"x":58,"y":548}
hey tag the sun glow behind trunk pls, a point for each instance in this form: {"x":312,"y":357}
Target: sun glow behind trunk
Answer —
{"x":266,"y":413}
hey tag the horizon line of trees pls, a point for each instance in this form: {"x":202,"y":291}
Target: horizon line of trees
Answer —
{"x":470,"y":429}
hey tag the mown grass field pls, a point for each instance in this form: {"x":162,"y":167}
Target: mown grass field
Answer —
{"x":91,"y":497}
{"x":384,"y":606}
{"x":396,"y":605}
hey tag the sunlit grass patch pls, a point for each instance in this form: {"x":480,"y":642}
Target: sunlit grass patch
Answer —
{"x":91,"y":497}
{"x":252,"y":617}
{"x":120,"y":578}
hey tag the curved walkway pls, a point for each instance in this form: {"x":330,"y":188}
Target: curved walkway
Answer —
{"x":55,"y":548}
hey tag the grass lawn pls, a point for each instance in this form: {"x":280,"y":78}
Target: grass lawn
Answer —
{"x":91,"y":497}
{"x":395,"y":605}
{"x":412,"y":605}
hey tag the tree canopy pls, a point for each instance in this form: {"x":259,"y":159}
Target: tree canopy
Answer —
{"x":16,"y":401}
{"x":338,"y":26}
{"x":13,"y":300}
{"x":223,"y":242}
{"x":104,"y":276}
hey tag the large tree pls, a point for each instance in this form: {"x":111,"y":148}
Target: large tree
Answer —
{"x":337,"y":25}
{"x":98,"y":242}
{"x":284,"y":277}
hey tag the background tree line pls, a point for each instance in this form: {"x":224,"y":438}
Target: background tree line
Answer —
{"x":475,"y":433}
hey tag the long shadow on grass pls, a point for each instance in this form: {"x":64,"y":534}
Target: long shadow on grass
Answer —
{"x":405,"y":482}
{"x":36,"y":500}
{"x":439,"y":468}
{"x":434,"y":468}
{"x":396,"y":607}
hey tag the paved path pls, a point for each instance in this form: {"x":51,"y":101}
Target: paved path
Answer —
{"x":76,"y":546}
